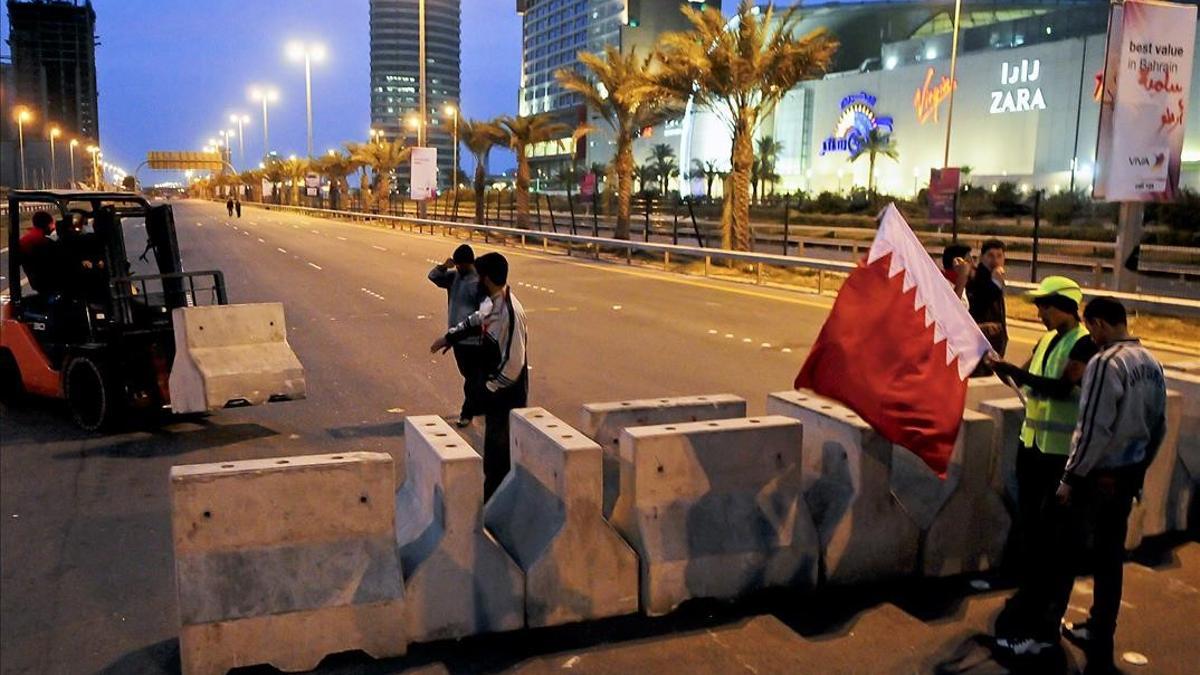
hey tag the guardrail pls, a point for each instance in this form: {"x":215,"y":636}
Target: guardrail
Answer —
{"x":587,"y":245}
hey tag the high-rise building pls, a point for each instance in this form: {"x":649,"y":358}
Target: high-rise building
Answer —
{"x":53,"y":46}
{"x":395,"y":65}
{"x":554,"y":32}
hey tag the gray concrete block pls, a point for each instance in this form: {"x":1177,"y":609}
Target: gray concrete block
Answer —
{"x":286,"y":560}
{"x":603,"y":422}
{"x":714,"y":509}
{"x":980,"y":389}
{"x":865,"y":534}
{"x":1185,"y":491}
{"x":547,"y":515}
{"x":1157,"y":511}
{"x":1191,"y":367}
{"x":458,"y":580}
{"x":1008,"y":414}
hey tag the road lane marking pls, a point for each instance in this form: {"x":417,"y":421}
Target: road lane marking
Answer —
{"x":378,"y":248}
{"x":341,"y":239}
{"x":261,"y":241}
{"x":712,"y":331}
{"x":199,"y":224}
{"x":616,"y":307}
{"x":786,"y":350}
{"x":315,"y":231}
{"x":246,"y":232}
{"x":747,"y":340}
{"x":729,"y":336}
{"x":765,"y":345}
{"x":281,"y":250}
{"x":371,"y":293}
{"x":315,"y":266}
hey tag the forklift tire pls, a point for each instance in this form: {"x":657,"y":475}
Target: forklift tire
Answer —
{"x":11,"y":387}
{"x":92,"y":394}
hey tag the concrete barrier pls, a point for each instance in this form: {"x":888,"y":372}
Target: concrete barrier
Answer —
{"x":1184,"y":504}
{"x":980,"y":389}
{"x":963,"y":520}
{"x":232,"y":354}
{"x":603,"y":422}
{"x":865,"y":535}
{"x":1008,"y":414}
{"x":458,"y":580}
{"x":1155,"y":513}
{"x":1191,"y":367}
{"x":286,"y":560}
{"x":546,"y":514}
{"x":714,"y":509}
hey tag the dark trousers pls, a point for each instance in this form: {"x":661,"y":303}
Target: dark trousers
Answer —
{"x":470,"y":364}
{"x":1038,"y":526}
{"x":1100,"y":506}
{"x":497,"y":405}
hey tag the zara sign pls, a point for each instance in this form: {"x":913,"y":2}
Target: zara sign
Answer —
{"x":1019,"y":90}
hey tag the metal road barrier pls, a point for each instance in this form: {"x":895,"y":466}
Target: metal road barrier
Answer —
{"x":577,"y":244}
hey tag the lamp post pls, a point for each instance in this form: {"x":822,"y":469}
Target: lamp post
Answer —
{"x":451,"y":110}
{"x":241,"y":121}
{"x":71,"y":153}
{"x":953,"y":82}
{"x":309,"y":53}
{"x":23,"y":116}
{"x":55,"y":132}
{"x":264,"y":94}
{"x":94,"y":151}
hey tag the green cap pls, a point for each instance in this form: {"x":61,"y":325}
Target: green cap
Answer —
{"x":1063,"y":286}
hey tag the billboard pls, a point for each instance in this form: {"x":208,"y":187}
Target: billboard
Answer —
{"x":199,"y":161}
{"x":423,"y":182}
{"x":1147,"y":75}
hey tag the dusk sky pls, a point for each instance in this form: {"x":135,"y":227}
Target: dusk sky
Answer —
{"x":170,"y":73}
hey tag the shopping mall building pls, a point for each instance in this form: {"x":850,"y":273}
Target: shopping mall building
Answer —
{"x":1025,"y":104}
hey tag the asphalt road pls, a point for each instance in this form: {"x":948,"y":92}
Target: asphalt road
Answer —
{"x":85,"y":546}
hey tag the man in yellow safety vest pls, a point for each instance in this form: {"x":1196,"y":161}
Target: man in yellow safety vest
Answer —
{"x":1050,"y":381}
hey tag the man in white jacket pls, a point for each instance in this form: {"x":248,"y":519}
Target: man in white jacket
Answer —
{"x":501,"y":322}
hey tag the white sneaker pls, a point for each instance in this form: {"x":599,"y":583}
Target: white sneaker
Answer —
{"x":1026,"y":646}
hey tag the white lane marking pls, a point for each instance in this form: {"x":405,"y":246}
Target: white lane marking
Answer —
{"x":261,"y":241}
{"x":252,"y":222}
{"x":315,"y":266}
{"x":246,"y":232}
{"x":281,"y":250}
{"x":422,"y":316}
{"x":198,"y":224}
{"x":786,"y":350}
{"x":729,"y":336}
{"x":765,"y":345}
{"x":378,"y":248}
{"x":315,"y":231}
{"x":747,"y":340}
{"x":712,"y":331}
{"x":341,"y":239}
{"x":551,"y":290}
{"x":371,"y":293}
{"x":616,"y":307}
{"x":233,"y":226}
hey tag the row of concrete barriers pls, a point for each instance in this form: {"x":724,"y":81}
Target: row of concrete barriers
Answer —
{"x":647,"y":504}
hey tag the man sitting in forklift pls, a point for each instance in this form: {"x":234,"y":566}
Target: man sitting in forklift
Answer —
{"x":38,"y":255}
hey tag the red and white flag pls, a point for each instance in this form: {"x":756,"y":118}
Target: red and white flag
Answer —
{"x":898,"y":346}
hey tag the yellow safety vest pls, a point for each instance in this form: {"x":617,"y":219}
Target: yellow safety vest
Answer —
{"x":1049,"y":422}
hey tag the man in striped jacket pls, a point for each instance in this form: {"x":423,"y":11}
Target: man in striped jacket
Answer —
{"x":501,"y":322}
{"x":1122,"y":421}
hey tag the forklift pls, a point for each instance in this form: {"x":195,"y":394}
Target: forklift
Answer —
{"x":82,"y":326}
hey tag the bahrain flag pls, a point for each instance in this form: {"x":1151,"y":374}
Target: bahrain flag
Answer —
{"x":898,"y":346}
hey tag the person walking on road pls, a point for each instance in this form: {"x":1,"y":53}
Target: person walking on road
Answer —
{"x":457,"y":275}
{"x":1050,"y":381}
{"x":1122,"y":422}
{"x":237,"y":207}
{"x":985,"y":294}
{"x":501,"y":318}
{"x":229,"y":206}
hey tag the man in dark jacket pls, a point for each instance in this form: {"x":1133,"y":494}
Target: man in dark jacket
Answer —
{"x":457,"y":275}
{"x":985,"y":293}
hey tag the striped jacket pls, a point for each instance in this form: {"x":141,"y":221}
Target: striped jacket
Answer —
{"x":1122,"y":411}
{"x":502,"y":321}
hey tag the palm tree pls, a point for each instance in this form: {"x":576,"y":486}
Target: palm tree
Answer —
{"x":295,"y":168}
{"x":646,"y":173}
{"x":253,"y":178}
{"x":877,"y":142}
{"x":755,"y":177}
{"x":275,"y":171}
{"x":521,"y":133}
{"x":620,"y":91}
{"x":740,"y":74}
{"x":336,"y":166}
{"x":709,"y":170}
{"x":480,"y":137}
{"x":384,"y":157}
{"x":768,"y":153}
{"x":662,"y":158}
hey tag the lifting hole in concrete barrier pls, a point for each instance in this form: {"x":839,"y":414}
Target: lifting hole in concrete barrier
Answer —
{"x":227,"y":466}
{"x":208,"y":514}
{"x":362,"y":499}
{"x":625,"y":403}
{"x":283,"y":461}
{"x":440,"y":435}
{"x":568,"y":436}
{"x":669,"y":428}
{"x":753,"y":421}
{"x":713,"y":424}
{"x":337,"y":457}
{"x":552,"y":426}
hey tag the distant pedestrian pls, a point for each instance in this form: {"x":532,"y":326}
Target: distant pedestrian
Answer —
{"x":985,"y":293}
{"x":506,"y":383}
{"x":237,"y":206}
{"x":1122,"y":422}
{"x":1050,"y":381}
{"x":229,"y":206}
{"x":464,"y":294}
{"x":957,"y":268}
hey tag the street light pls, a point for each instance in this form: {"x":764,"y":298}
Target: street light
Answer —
{"x":451,"y":110}
{"x":23,"y":116}
{"x":309,"y":53}
{"x":240,"y":120}
{"x":55,"y":132}
{"x":71,"y":151}
{"x":94,"y":151}
{"x":264,"y":94}
{"x":376,"y":135}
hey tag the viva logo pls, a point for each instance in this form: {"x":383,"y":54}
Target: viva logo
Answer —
{"x":1155,"y":162}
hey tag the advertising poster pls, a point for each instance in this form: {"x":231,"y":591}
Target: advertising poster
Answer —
{"x":424,"y":173}
{"x":1148,"y":72}
{"x":943,"y":186}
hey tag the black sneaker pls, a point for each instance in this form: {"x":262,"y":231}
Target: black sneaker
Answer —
{"x":1082,"y":635}
{"x":1023,"y":646}
{"x":463,"y":422}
